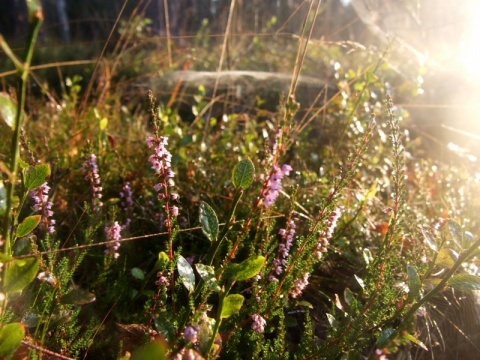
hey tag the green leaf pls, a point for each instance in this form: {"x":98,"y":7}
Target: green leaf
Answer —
{"x":360,"y":281}
{"x":5,"y":258}
{"x":36,"y":176}
{"x":348,"y":296}
{"x":187,"y":276}
{"x":231,"y":305}
{"x":209,"y":221}
{"x":20,"y":273}
{"x":152,"y":350}
{"x":162,"y":261}
{"x":384,"y":337}
{"x":11,"y":336}
{"x":243,"y":172}
{"x":164,"y":327}
{"x":103,"y":124}
{"x":446,"y":258}
{"x":414,"y":340}
{"x":78,"y":296}
{"x":28,"y":225}
{"x":8,"y":110}
{"x":332,"y":321}
{"x":246,"y":269}
{"x":464,"y":282}
{"x":207,"y":273}
{"x":137,"y":273}
{"x":414,"y":283}
{"x":3,"y":199}
{"x":25,"y":246}
{"x":452,"y":231}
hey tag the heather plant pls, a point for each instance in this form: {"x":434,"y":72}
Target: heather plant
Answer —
{"x":288,"y":236}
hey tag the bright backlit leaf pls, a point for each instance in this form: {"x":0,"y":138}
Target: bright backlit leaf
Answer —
{"x":209,"y":221}
{"x":28,"y":225}
{"x":414,"y":283}
{"x":20,"y":273}
{"x":36,"y":176}
{"x":11,"y":336}
{"x":187,"y":276}
{"x":231,"y":305}
{"x":246,"y":269}
{"x":207,"y":273}
{"x":8,"y":110}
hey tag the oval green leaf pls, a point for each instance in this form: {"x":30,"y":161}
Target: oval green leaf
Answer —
{"x":332,"y":321}
{"x":243,"y":173}
{"x":414,"y":284}
{"x":464,"y":282}
{"x":209,"y":221}
{"x":20,"y":274}
{"x":28,"y":225}
{"x":187,"y":276}
{"x":78,"y":296}
{"x":246,"y":269}
{"x":11,"y":336}
{"x":231,"y":305}
{"x":25,"y":246}
{"x":446,"y":258}
{"x":207,"y":273}
{"x":8,"y":110}
{"x":452,"y":231}
{"x":36,"y":176}
{"x":137,"y":273}
{"x":348,"y":295}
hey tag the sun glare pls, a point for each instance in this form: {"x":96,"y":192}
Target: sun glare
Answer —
{"x":469,"y":50}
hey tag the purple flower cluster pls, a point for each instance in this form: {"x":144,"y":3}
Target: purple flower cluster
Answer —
{"x":299,"y":285}
{"x":112,"y":234}
{"x":126,"y":202}
{"x":258,"y":324}
{"x":90,"y":169}
{"x":190,"y":334}
{"x":274,"y":183}
{"x":161,"y":163}
{"x":284,"y":248}
{"x":42,"y":205}
{"x":326,"y":234}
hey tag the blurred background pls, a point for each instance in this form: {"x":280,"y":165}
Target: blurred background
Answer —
{"x":432,"y":45}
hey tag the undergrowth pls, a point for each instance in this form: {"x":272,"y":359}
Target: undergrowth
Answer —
{"x":311,"y":232}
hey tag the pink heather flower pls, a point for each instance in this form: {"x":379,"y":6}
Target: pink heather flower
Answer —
{"x":42,"y":205}
{"x":90,"y":170}
{"x":299,"y":285}
{"x":380,"y":355}
{"x":126,"y":202}
{"x":258,"y":324}
{"x":284,"y":247}
{"x":112,"y":233}
{"x":161,"y":163}
{"x":286,"y":169}
{"x":190,"y":334}
{"x":274,"y":183}
{"x":174,"y":211}
{"x":326,"y":234}
{"x":162,"y":280}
